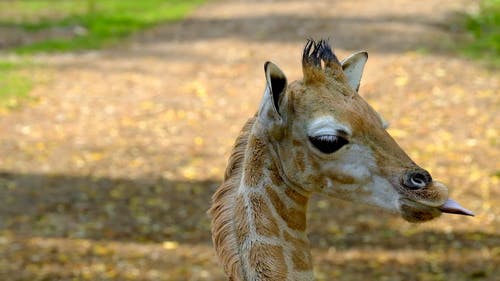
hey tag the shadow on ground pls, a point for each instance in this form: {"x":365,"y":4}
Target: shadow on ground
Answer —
{"x":399,"y":33}
{"x":155,"y":210}
{"x":105,"y":208}
{"x":61,"y":227}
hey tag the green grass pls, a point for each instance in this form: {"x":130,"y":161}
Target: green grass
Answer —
{"x":100,"y":23}
{"x":485,"y":27}
{"x":15,"y":84}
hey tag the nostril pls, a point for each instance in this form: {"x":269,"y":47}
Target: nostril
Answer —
{"x":417,"y":179}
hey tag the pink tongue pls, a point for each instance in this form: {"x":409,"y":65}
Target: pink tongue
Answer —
{"x":452,"y":207}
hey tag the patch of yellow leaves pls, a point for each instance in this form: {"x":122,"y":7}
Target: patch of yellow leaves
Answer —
{"x":170,"y":245}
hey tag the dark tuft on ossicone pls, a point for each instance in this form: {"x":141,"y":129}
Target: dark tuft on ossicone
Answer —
{"x":321,"y":51}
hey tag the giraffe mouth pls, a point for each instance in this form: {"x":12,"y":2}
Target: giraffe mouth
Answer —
{"x":412,"y":204}
{"x":414,"y":211}
{"x":452,"y":207}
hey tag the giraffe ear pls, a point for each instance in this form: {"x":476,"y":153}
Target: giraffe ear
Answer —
{"x":274,"y":94}
{"x":353,"y":68}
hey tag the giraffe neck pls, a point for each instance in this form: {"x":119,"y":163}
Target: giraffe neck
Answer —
{"x":269,"y":220}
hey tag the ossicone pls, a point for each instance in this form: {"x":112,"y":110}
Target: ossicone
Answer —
{"x":312,"y":57}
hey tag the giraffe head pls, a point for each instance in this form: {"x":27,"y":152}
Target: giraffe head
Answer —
{"x":328,"y":139}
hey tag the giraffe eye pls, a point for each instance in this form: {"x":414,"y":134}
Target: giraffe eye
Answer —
{"x":328,"y":143}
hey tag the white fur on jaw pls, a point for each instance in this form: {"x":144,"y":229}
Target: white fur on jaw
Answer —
{"x":385,"y":196}
{"x":356,"y":161}
{"x":368,"y":186}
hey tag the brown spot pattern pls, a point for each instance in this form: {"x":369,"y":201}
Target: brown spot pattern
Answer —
{"x":295,"y":196}
{"x":268,"y":262}
{"x":265,"y":224}
{"x":255,"y":160}
{"x":299,"y":161}
{"x":301,"y":260}
{"x":301,"y":255}
{"x":298,"y":243}
{"x":275,"y":176}
{"x":296,"y":142}
{"x":313,"y":163}
{"x":317,"y":180}
{"x":343,"y":179}
{"x":295,"y":219}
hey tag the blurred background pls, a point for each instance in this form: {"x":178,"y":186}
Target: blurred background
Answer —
{"x":117,"y":119}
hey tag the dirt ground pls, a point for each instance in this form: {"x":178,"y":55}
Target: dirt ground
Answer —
{"x":107,"y":176}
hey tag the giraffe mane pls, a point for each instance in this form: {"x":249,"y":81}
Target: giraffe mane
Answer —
{"x":222,"y":210}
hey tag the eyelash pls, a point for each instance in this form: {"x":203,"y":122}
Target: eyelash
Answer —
{"x":328,"y":143}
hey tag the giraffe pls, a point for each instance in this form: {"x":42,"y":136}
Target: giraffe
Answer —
{"x":313,"y":135}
